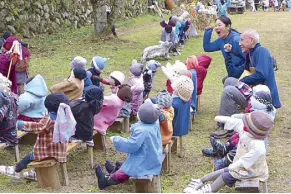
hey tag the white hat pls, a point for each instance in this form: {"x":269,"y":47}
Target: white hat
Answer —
{"x":78,"y":62}
{"x":175,"y":71}
{"x":259,"y":88}
{"x":118,"y":75}
{"x":184,"y":87}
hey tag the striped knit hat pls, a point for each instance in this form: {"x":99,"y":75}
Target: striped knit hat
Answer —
{"x":258,"y":123}
{"x":164,"y":99}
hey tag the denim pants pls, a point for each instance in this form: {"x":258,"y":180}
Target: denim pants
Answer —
{"x":24,"y":162}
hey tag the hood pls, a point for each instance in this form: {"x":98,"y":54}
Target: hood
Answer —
{"x":37,"y":86}
{"x":204,"y":60}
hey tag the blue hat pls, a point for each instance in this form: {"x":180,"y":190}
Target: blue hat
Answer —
{"x":99,"y":62}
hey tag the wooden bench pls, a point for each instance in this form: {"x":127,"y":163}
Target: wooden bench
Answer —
{"x":47,"y":172}
{"x":250,"y":186}
{"x":120,"y":124}
{"x":147,"y":184}
{"x":235,"y":9}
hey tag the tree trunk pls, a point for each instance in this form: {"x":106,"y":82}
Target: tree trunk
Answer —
{"x":100,"y":19}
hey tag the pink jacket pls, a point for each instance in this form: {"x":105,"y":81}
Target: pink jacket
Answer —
{"x":109,"y":112}
{"x":137,"y":89}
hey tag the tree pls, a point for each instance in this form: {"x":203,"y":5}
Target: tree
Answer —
{"x":103,"y":23}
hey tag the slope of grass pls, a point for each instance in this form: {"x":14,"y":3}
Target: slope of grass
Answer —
{"x":51,"y":56}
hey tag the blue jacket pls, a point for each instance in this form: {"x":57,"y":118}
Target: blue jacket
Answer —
{"x":144,"y":149}
{"x":236,"y":67}
{"x":31,"y":102}
{"x":181,"y":116}
{"x":222,"y":9}
{"x":194,"y":94}
{"x":261,"y":59}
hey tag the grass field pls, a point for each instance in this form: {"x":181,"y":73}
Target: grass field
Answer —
{"x":51,"y":56}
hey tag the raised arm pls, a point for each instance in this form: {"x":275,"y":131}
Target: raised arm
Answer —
{"x":33,"y":127}
{"x":207,"y":45}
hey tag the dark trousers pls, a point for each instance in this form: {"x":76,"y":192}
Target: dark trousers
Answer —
{"x":24,"y":162}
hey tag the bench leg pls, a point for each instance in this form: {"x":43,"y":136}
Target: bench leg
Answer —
{"x":181,"y":147}
{"x":17,"y":156}
{"x":126,"y":124}
{"x":48,"y":177}
{"x":265,"y":187}
{"x":65,"y":181}
{"x":174,"y":147}
{"x":169,"y":159}
{"x":90,"y":152}
{"x":99,"y":141}
{"x":147,"y":186}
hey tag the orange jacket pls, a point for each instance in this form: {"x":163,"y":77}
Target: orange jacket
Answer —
{"x":166,"y":124}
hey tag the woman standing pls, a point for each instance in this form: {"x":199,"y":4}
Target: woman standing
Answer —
{"x":227,"y":37}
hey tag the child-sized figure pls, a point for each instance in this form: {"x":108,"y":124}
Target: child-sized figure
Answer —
{"x":80,"y":62}
{"x":200,"y":64}
{"x":31,"y":102}
{"x":143,"y":149}
{"x":250,"y":160}
{"x":164,"y":101}
{"x":183,"y":89}
{"x":84,"y":111}
{"x":111,"y":107}
{"x":47,"y":130}
{"x":136,"y":83}
{"x":8,"y":113}
{"x":148,"y":76}
{"x":73,"y":86}
{"x":97,"y":66}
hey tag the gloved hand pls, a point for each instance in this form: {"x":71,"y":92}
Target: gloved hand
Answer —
{"x":222,"y":119}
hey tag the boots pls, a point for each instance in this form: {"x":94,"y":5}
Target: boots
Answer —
{"x":209,"y":152}
{"x":220,"y":163}
{"x":110,"y":168}
{"x":220,"y":148}
{"x":104,"y":181}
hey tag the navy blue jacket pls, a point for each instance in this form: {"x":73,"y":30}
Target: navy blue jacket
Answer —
{"x":261,"y":59}
{"x":235,"y":66}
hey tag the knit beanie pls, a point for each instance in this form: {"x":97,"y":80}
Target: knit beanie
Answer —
{"x":261,"y":87}
{"x":5,"y":84}
{"x":9,"y":42}
{"x":78,"y":62}
{"x":52,"y":101}
{"x":80,"y":73}
{"x":6,"y":35}
{"x":164,"y":99}
{"x":148,"y":113}
{"x":136,"y":68}
{"x":94,"y":97}
{"x":124,"y":93}
{"x":183,"y":87}
{"x":99,"y":63}
{"x":258,"y":123}
{"x":153,"y":65}
{"x":262,"y":98}
{"x":118,"y":77}
{"x":192,"y":62}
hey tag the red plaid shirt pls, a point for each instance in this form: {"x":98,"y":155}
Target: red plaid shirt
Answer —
{"x":44,"y":146}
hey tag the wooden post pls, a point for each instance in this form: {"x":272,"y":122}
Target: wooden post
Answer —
{"x":126,"y":124}
{"x":99,"y":141}
{"x":198,"y":107}
{"x":47,"y":173}
{"x":169,"y":158}
{"x":265,"y":187}
{"x":174,"y":147}
{"x":166,"y":159}
{"x":247,"y":186}
{"x":91,"y":156}
{"x":17,"y":156}
{"x":181,"y":147}
{"x":65,"y":180}
{"x":148,"y":186}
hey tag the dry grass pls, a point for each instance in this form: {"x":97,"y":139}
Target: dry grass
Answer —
{"x":51,"y":55}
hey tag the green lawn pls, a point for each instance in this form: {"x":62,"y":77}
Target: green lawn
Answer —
{"x":51,"y":56}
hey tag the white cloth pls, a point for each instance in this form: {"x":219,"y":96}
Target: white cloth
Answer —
{"x":65,"y":124}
